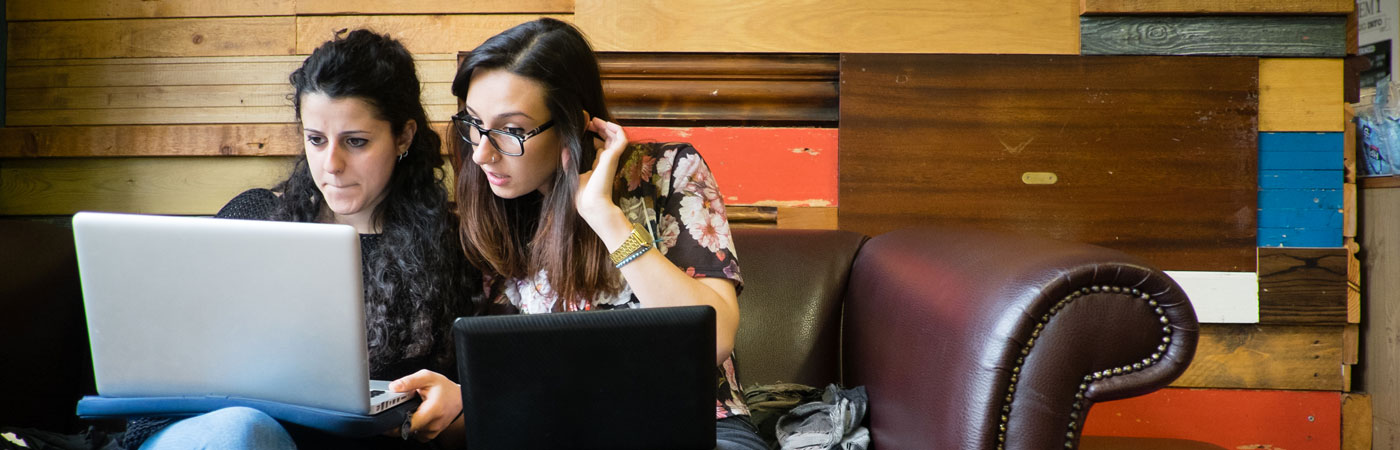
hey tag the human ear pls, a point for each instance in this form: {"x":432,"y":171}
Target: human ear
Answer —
{"x":406,"y":135}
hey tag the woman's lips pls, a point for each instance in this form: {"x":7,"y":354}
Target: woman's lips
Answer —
{"x":496,"y":179}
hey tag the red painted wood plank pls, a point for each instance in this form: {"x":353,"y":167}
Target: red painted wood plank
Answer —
{"x":1234,"y":419}
{"x":762,"y":166}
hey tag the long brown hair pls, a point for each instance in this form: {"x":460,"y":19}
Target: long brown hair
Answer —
{"x":517,"y":238}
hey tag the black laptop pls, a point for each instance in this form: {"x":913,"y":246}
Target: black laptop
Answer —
{"x":618,"y":379}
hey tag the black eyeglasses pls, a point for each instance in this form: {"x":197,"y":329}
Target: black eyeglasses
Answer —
{"x":471,"y":130}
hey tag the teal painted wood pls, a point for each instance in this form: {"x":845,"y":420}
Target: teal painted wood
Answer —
{"x":1295,"y":36}
{"x":1300,"y":161}
{"x":1302,"y":142}
{"x":1310,"y":219}
{"x":1300,"y":179}
{"x":1288,"y":237}
{"x":1330,"y":199}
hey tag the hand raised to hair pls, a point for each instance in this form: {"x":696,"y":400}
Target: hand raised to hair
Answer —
{"x":593,"y":199}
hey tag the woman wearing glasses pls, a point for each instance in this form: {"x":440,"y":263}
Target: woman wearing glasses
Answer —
{"x":554,"y":229}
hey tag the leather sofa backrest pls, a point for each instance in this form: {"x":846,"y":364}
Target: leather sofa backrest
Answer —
{"x":790,"y":308}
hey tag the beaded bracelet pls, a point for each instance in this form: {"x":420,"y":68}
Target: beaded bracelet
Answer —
{"x":634,"y":255}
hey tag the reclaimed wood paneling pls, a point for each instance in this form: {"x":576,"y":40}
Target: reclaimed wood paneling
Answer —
{"x":137,"y":185}
{"x":1295,"y":357}
{"x":1303,"y":285}
{"x":1232,"y":419}
{"x":1155,"y":156}
{"x":1380,"y":225}
{"x":1218,"y":6}
{"x":56,"y":172}
{"x":809,"y":26}
{"x":1300,"y":94}
{"x":196,"y":71}
{"x":419,"y":33}
{"x":783,"y":167}
{"x":132,"y":9}
{"x":347,"y":7}
{"x":807,"y":218}
{"x":1298,"y":36}
{"x":1356,"y":421}
{"x":238,"y":36}
{"x":714,"y":89}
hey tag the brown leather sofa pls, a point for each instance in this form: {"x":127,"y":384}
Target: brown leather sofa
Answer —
{"x":963,"y":339}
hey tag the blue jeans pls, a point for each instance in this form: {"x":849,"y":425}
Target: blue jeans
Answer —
{"x":229,"y":428}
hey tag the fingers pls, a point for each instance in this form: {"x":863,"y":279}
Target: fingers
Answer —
{"x":442,"y":402}
{"x":416,"y":380}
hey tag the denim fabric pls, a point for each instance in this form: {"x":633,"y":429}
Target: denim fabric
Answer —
{"x":228,"y":428}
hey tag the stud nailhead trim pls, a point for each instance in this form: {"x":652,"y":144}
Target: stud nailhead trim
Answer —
{"x":1097,"y":375}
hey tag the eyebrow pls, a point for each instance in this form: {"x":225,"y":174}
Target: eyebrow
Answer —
{"x":502,"y":115}
{"x":313,"y":130}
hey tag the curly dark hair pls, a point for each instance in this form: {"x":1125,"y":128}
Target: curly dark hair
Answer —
{"x":417,"y":281}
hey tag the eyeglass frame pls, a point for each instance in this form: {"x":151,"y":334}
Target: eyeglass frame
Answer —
{"x":465,"y":118}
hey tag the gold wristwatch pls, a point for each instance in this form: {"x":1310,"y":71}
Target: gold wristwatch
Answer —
{"x":639,"y":238}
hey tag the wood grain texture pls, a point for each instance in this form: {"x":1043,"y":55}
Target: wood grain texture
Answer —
{"x":282,"y":139}
{"x":348,"y":7}
{"x":1155,"y":156}
{"x":815,"y":26}
{"x":712,"y":89}
{"x":1224,"y":418}
{"x":170,"y":116}
{"x":1238,"y":356}
{"x":1302,"y":285}
{"x":1356,"y":421}
{"x":419,"y":33}
{"x":232,"y":96}
{"x":137,"y":185}
{"x":20,"y":10}
{"x":240,"y":36}
{"x":1380,"y":224}
{"x":1348,"y":144}
{"x":749,"y":216}
{"x":1353,"y":280}
{"x":1349,"y":210}
{"x":1382,"y":182}
{"x":807,"y":218}
{"x":1217,"y":6}
{"x":1295,"y":36}
{"x":1303,"y":94}
{"x":186,"y":71}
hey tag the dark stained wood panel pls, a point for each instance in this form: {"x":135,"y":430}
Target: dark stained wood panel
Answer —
{"x":1303,"y":285}
{"x":1296,"y":36}
{"x":1154,"y":156}
{"x":719,"y":89}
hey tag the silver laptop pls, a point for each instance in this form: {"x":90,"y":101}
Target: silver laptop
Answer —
{"x":180,"y":306}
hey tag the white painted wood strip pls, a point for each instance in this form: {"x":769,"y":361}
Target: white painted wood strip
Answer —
{"x":1221,"y":297}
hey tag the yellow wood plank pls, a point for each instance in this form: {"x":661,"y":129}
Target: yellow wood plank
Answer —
{"x":346,"y":7}
{"x":1218,"y":6}
{"x":420,"y":33}
{"x":896,"y":26}
{"x":1353,"y":280}
{"x":232,"y":96}
{"x":1351,"y":344}
{"x":209,"y":71}
{"x":155,"y":140}
{"x":1303,"y":94}
{"x":1349,"y":210}
{"x":160,"y":185}
{"x":130,"y":9}
{"x":173,"y":116}
{"x":240,"y":36}
{"x":1356,"y":421}
{"x":137,"y":185}
{"x":807,"y":218}
{"x":1236,"y":356}
{"x":149,"y":97}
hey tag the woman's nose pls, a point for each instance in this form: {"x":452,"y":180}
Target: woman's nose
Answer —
{"x":335,"y":159}
{"x":483,"y":152}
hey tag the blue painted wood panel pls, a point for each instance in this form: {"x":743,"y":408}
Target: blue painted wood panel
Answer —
{"x":1292,"y":237}
{"x":1300,"y":179}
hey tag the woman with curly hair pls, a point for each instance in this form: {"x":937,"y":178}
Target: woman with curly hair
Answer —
{"x":370,"y":161}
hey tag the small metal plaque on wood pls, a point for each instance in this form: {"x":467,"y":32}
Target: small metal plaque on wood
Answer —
{"x":1039,"y":178}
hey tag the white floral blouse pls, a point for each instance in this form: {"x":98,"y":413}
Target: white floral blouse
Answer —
{"x":668,"y":188}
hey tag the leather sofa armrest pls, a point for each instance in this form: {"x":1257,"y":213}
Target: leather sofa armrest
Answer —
{"x":974,"y":339}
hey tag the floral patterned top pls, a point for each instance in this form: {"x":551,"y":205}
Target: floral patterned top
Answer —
{"x":669,"y":189}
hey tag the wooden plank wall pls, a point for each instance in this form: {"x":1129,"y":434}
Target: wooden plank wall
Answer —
{"x":173,"y":106}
